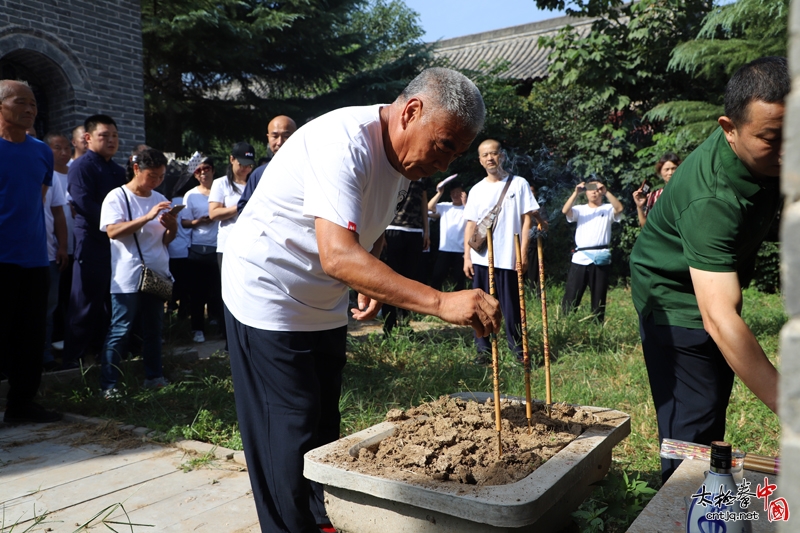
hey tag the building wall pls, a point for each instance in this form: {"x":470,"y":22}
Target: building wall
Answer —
{"x":789,"y":406}
{"x":82,"y":57}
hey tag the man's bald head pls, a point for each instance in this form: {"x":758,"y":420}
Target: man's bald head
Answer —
{"x":279,"y":130}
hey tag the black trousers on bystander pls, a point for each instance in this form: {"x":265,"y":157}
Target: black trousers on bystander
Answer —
{"x":581,"y":276}
{"x":507,"y":287}
{"x":22,"y":330}
{"x":287,"y":386}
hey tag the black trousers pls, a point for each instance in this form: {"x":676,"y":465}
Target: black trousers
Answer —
{"x":287,"y":387}
{"x":181,"y":297}
{"x":89,"y":307}
{"x":691,"y":384}
{"x":449,"y":264}
{"x":403,"y":255}
{"x":507,"y":287}
{"x":581,"y":276}
{"x":204,"y":286}
{"x":23,"y":318}
{"x":60,"y":316}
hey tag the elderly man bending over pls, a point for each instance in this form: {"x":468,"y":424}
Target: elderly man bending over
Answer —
{"x":317,"y":230}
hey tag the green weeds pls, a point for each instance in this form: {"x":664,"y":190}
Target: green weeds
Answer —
{"x":592,"y":364}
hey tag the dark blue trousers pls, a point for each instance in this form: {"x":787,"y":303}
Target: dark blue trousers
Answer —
{"x":287,"y":387}
{"x":89,"y":307}
{"x":507,"y":287}
{"x":691,"y":384}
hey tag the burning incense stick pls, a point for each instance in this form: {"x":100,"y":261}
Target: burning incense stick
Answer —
{"x":526,"y":358}
{"x":545,"y":338}
{"x":495,"y":355}
{"x":678,"y":449}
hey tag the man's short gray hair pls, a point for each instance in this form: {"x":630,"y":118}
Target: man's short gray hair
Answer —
{"x":6,"y":88}
{"x":451,"y":92}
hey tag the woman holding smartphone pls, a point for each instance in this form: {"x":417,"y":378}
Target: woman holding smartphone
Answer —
{"x":644,"y":198}
{"x":136,"y":217}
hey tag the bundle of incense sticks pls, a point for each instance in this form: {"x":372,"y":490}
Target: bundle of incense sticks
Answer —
{"x":678,"y":449}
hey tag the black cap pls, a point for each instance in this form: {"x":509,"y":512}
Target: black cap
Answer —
{"x":244,"y":153}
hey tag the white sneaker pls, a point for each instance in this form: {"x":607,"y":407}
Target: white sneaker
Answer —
{"x":156,"y":383}
{"x":58,"y":345}
{"x":199,"y":337}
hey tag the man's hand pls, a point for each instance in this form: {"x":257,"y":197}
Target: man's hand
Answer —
{"x":367,"y":308}
{"x":471,"y":308}
{"x":62,"y":259}
{"x":719,"y":297}
{"x":469,"y":271}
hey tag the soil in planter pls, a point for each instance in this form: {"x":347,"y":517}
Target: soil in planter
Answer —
{"x":453,"y":440}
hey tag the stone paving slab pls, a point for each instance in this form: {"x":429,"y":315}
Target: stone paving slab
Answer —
{"x":51,"y":468}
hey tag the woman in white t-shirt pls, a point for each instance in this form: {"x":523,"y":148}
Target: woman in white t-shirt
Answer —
{"x":204,"y":284}
{"x":225,"y":192}
{"x":131,"y":213}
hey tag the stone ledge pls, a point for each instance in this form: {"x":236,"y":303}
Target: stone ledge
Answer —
{"x":187,"y":445}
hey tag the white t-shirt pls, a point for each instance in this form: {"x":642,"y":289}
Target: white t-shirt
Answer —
{"x":126,"y":266}
{"x":451,"y":227}
{"x":179,"y":247}
{"x":594,"y":228}
{"x":67,"y":210}
{"x":518,"y":201}
{"x":222,"y":192}
{"x":196,"y":207}
{"x":55,"y":197}
{"x":335,"y":168}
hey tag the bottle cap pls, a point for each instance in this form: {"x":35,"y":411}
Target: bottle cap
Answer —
{"x":721,"y":454}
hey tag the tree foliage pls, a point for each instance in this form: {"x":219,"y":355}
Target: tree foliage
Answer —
{"x":220,"y":69}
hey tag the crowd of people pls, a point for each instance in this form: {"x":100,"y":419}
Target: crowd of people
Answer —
{"x":347,"y":208}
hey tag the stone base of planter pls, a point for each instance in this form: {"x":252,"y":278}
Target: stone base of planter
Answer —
{"x":542,"y":502}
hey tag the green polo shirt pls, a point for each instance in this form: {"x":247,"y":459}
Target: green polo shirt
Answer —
{"x":713,"y":216}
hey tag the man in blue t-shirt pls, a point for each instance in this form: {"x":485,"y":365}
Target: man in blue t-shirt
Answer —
{"x":26,"y":171}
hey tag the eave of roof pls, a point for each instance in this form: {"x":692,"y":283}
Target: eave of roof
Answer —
{"x":519,"y":45}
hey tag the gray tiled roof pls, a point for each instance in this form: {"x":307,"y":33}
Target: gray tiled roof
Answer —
{"x":518,"y":44}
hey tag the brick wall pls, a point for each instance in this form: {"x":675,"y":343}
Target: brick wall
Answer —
{"x":85,"y":56}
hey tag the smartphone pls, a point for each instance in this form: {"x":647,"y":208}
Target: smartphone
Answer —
{"x":591,"y":186}
{"x":176,"y":209}
{"x":645,"y":188}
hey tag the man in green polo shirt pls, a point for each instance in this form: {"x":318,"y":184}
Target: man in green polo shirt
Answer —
{"x":698,"y":250}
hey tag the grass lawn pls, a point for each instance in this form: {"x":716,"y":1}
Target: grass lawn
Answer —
{"x":599,"y":365}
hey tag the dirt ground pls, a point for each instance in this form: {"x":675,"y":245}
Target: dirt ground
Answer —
{"x":453,"y":440}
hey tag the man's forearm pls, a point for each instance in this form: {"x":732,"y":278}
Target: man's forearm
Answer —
{"x":570,"y":201}
{"x":616,"y":204}
{"x":746,"y":357}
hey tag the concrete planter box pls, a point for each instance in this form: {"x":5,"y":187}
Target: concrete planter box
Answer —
{"x":542,"y":502}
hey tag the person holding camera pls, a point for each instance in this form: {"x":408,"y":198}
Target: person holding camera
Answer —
{"x":591,"y":261}
{"x":644,"y":197}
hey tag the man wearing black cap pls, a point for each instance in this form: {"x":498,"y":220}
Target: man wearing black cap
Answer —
{"x":591,"y":262}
